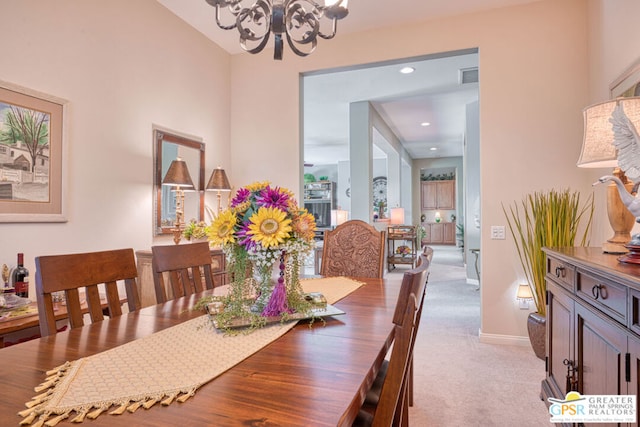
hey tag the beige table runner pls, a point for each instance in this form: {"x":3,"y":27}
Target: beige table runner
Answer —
{"x":165,"y":366}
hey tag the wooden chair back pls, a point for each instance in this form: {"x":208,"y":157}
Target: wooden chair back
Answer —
{"x":390,"y":404}
{"x":71,"y":272}
{"x":353,"y":249}
{"x":188,"y":267}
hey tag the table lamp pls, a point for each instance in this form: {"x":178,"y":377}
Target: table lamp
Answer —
{"x":178,"y":176}
{"x":338,"y":216}
{"x":218,"y":182}
{"x":598,"y":151}
{"x":397,"y":216}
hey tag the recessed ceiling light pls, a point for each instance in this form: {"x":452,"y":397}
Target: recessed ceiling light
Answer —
{"x":425,"y":124}
{"x":433,"y":148}
{"x":407,"y":70}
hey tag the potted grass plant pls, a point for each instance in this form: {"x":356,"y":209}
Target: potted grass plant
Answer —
{"x":546,"y":219}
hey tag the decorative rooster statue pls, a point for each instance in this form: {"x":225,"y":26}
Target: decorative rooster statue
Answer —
{"x":627,"y":142}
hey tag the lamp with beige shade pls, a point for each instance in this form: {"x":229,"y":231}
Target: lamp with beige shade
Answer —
{"x":599,"y":151}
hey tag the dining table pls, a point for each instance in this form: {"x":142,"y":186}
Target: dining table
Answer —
{"x":314,"y":375}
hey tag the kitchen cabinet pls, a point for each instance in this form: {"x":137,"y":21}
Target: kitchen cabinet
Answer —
{"x":438,"y":195}
{"x":443,"y":233}
{"x":593,"y":316}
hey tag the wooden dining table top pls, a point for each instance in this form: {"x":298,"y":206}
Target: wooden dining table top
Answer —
{"x":311,"y":376}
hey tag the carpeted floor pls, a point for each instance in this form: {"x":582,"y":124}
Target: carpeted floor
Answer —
{"x":458,"y":380}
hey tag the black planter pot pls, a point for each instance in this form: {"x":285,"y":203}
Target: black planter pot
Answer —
{"x":537,"y":328}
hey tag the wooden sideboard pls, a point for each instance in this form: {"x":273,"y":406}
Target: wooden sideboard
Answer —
{"x":145,"y":274}
{"x":593,"y":324}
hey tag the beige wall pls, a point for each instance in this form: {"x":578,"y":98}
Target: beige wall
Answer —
{"x":533,"y":86}
{"x":123,"y":66}
{"x":122,"y":73}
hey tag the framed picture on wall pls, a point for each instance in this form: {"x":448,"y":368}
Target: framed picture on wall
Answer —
{"x":31,"y":155}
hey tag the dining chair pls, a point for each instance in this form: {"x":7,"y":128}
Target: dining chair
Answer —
{"x":387,"y":403}
{"x":70,"y":272}
{"x":187,"y":267}
{"x":354,"y":249}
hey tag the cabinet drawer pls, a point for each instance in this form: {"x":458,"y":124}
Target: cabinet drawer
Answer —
{"x":562,"y":273}
{"x":635,"y":311}
{"x":608,"y":297}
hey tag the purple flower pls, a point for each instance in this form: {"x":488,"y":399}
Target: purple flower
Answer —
{"x":242,"y":196}
{"x":273,"y":198}
{"x":244,"y":239}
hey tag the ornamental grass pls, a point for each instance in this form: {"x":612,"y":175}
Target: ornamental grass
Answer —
{"x":547,"y":219}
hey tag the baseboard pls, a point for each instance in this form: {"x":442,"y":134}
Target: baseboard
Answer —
{"x":503,"y":339}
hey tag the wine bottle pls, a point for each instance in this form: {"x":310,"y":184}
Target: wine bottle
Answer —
{"x":21,"y":278}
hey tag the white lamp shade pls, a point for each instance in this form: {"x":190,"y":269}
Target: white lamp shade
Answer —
{"x":524,"y":292}
{"x":598,"y":150}
{"x":397,"y":216}
{"x":338,"y":216}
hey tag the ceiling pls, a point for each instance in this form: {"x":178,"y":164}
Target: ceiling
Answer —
{"x":432,"y":93}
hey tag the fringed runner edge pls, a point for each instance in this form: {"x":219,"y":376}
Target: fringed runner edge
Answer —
{"x":36,"y":406}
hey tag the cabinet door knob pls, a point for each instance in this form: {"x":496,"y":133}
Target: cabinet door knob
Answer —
{"x":560,"y":271}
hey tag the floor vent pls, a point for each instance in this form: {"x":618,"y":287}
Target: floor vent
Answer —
{"x":468,"y":75}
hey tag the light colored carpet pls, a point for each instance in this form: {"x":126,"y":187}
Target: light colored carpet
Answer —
{"x":458,"y":380}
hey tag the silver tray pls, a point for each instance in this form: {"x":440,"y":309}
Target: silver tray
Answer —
{"x":242,"y":322}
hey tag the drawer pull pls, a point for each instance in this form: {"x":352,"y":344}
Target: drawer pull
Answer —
{"x":599,"y":291}
{"x":560,"y":271}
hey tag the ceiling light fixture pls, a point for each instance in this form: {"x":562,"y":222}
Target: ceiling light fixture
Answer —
{"x":425,"y":124}
{"x":407,"y":70}
{"x":298,"y":20}
{"x":433,"y":148}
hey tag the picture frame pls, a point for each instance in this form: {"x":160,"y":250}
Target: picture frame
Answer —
{"x":32,"y":167}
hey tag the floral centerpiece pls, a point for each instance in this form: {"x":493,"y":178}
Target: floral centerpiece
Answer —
{"x":263,"y":228}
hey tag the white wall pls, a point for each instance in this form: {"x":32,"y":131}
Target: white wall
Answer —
{"x":123,"y":66}
{"x":533,"y":86}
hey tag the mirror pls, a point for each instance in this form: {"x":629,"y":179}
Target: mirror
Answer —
{"x":168,"y":147}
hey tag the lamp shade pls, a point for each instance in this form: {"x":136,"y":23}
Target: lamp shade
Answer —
{"x":598,"y":150}
{"x":397,"y":216}
{"x":338,"y":216}
{"x":219,"y":180}
{"x":524,"y":292}
{"x":178,"y":174}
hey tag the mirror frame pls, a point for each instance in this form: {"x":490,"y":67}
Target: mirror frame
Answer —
{"x":159,"y":137}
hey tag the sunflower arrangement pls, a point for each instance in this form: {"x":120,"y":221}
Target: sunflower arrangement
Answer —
{"x":262,"y":227}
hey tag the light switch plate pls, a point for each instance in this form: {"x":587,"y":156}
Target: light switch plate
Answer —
{"x":497,"y":232}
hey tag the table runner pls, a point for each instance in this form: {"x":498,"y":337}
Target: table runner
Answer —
{"x":134,"y":375}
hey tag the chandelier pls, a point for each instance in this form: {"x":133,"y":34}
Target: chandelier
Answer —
{"x":297,"y":20}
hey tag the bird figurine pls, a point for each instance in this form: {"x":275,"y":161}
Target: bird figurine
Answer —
{"x":627,"y":142}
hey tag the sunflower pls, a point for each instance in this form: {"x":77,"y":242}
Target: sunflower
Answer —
{"x":304,"y":225}
{"x":221,"y":231}
{"x":257,"y":186}
{"x":269,"y":227}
